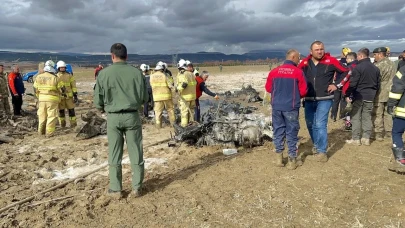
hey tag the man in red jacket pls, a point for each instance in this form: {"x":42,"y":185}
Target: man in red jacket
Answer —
{"x":351,"y":60}
{"x":287,"y":85}
{"x":200,"y":88}
{"x":17,"y":89}
{"x":319,"y":69}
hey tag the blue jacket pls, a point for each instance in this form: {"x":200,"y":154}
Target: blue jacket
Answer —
{"x":287,"y":86}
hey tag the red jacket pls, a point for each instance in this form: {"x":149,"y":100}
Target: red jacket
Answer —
{"x":344,"y":84}
{"x":16,"y":84}
{"x":198,"y":87}
{"x":97,"y":71}
{"x":287,"y":85}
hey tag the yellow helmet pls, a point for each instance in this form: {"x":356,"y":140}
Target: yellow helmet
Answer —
{"x":346,"y":50}
{"x":388,"y":49}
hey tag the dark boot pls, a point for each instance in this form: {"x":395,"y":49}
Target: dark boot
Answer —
{"x":399,"y":155}
{"x":292,"y":163}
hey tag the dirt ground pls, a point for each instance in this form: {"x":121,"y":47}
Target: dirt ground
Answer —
{"x":200,"y":187}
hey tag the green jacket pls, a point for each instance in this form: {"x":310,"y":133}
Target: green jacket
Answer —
{"x":120,"y":88}
{"x":387,"y":70}
{"x":4,"y":91}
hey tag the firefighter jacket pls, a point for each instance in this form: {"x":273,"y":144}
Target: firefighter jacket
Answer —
{"x":186,"y":85}
{"x":48,"y":87}
{"x":160,"y":86}
{"x":387,"y":71}
{"x":396,"y":95}
{"x":69,"y":83}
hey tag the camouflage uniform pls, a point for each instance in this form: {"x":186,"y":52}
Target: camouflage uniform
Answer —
{"x":383,"y":122}
{"x":4,"y":103}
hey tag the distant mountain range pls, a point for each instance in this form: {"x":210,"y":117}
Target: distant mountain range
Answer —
{"x":199,"y":57}
{"x":92,"y":59}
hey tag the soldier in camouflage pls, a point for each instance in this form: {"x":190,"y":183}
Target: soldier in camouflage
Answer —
{"x":4,"y":104}
{"x":383,"y":122}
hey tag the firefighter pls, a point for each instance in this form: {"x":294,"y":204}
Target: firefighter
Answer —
{"x":186,"y":87}
{"x":48,"y":90}
{"x":69,"y":98}
{"x":396,"y":108}
{"x":162,"y":94}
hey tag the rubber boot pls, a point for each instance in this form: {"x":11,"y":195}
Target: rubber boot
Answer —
{"x":62,"y":122}
{"x":279,"y":159}
{"x":292,"y":163}
{"x":399,"y":155}
{"x":159,"y":125}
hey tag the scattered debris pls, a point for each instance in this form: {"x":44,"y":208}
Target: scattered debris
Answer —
{"x":17,"y":127}
{"x":230,"y":124}
{"x":95,"y":125}
{"x":250,"y":94}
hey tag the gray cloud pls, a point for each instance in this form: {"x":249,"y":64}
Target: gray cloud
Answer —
{"x":229,"y":26}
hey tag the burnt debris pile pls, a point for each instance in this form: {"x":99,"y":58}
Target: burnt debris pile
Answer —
{"x":18,"y":127}
{"x":93,"y":125}
{"x":227,"y":124}
{"x":248,"y":94}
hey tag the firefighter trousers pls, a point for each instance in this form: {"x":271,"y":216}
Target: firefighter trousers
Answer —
{"x":159,"y":106}
{"x":187,"y":111}
{"x":47,"y":117}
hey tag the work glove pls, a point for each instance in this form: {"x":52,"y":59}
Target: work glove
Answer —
{"x":390,"y":110}
{"x":216,"y":97}
{"x":184,"y":85}
{"x":75,"y":99}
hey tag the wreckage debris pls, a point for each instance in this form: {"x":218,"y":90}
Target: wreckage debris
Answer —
{"x":17,"y":127}
{"x":249,"y":94}
{"x":229,"y":124}
{"x":94,"y":125}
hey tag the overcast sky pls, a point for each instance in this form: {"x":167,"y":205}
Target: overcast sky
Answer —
{"x":228,"y":26}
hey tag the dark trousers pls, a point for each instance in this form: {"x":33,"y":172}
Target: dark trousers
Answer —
{"x":146,"y":105}
{"x":398,"y":128}
{"x":197,"y":114}
{"x":286,"y":125}
{"x":17,"y":102}
{"x":338,"y":100}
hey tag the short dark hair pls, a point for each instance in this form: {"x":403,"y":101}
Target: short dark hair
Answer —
{"x":364,"y":51}
{"x":119,"y":50}
{"x":1,"y":65}
{"x":352,"y":54}
{"x":317,"y":42}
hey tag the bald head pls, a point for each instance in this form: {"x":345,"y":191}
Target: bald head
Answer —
{"x":293,"y":55}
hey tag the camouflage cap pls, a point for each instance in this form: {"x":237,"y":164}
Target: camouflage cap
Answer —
{"x":380,"y":49}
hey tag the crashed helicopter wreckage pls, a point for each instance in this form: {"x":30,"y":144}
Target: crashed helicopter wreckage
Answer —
{"x":230,"y":124}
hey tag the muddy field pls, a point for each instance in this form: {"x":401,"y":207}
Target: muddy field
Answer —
{"x":199,"y":187}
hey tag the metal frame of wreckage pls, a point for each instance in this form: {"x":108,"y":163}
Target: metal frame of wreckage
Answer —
{"x":209,"y":132}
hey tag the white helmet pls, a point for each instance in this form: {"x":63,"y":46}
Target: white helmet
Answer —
{"x":196,"y":72}
{"x":144,"y":67}
{"x":49,"y":63}
{"x":163,"y":64}
{"x":160,"y":66}
{"x":188,"y":62}
{"x":49,"y":69}
{"x":182,"y":64}
{"x":60,"y":64}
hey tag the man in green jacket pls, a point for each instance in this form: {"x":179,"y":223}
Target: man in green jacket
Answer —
{"x":120,"y":91}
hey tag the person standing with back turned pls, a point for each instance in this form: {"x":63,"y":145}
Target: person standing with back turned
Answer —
{"x":287,"y":86}
{"x":120,"y":91}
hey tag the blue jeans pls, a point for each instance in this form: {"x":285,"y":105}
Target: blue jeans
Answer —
{"x":286,"y":125}
{"x":398,"y":128}
{"x":316,"y":117}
